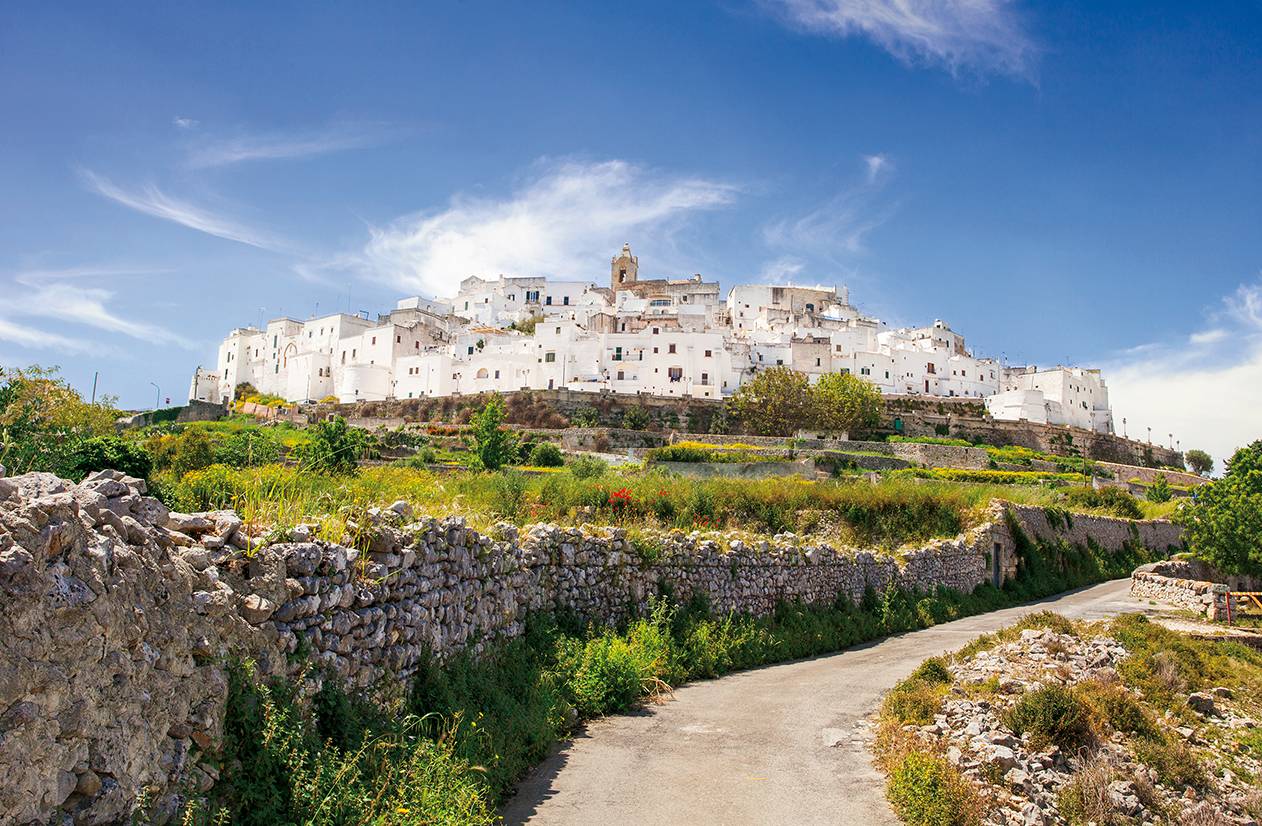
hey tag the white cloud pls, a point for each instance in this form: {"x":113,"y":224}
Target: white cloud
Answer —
{"x":1208,"y":336}
{"x":983,"y":35}
{"x":280,"y":147}
{"x":87,"y":306}
{"x":152,"y":201}
{"x":839,"y":225}
{"x":781,"y":270}
{"x":1206,"y":392}
{"x":35,"y":339}
{"x":568,"y":216}
{"x":36,"y":277}
{"x":180,"y":122}
{"x":877,"y":165}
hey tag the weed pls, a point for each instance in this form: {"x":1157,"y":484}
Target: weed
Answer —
{"x":1051,"y":715}
{"x":926,"y":789}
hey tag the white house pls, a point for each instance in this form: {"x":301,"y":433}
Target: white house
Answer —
{"x":671,"y":337}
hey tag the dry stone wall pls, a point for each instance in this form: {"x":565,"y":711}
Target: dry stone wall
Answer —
{"x":117,"y":616}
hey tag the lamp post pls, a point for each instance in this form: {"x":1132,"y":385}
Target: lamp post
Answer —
{"x":157,"y":395}
{"x":1123,"y":427}
{"x":1150,"y":435}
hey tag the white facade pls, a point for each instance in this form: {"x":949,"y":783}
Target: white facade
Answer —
{"x":671,"y":337}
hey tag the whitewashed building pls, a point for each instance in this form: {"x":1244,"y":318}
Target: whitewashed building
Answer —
{"x":670,"y":337}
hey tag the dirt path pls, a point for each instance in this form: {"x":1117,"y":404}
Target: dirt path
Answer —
{"x":785,"y":744}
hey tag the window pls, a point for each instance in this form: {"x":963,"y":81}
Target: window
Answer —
{"x":550,"y":357}
{"x":274,"y":340}
{"x":497,"y":374}
{"x":620,"y":375}
{"x":548,"y":300}
{"x":817,"y":364}
{"x":705,"y":378}
{"x":655,"y":350}
{"x":617,"y":354}
{"x":512,"y":296}
{"x":466,"y":305}
{"x":398,"y":339}
{"x":374,"y":339}
{"x":482,"y":373}
{"x":558,"y":331}
{"x":470,"y":350}
{"x":708,"y":354}
{"x":565,"y":300}
{"x":343,"y":357}
{"x":532,"y":296}
{"x":656,"y":331}
{"x":353,"y":352}
{"x":887,"y":374}
{"x":671,"y":349}
{"x":929,"y":368}
{"x":780,"y":362}
{"x":810,"y":308}
{"x":416,"y":345}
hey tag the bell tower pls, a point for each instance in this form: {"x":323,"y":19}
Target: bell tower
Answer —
{"x":624,"y":269}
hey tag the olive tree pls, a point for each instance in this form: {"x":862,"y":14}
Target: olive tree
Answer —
{"x":1199,"y":461}
{"x":775,"y":402}
{"x":844,"y":402}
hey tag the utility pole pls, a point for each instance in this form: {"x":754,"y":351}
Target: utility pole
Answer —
{"x":96,"y":375}
{"x":157,"y":395}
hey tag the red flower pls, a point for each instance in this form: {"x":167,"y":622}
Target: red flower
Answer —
{"x":622,"y":496}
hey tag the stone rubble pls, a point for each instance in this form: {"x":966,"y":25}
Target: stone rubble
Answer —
{"x":1023,"y":784}
{"x":117,"y":615}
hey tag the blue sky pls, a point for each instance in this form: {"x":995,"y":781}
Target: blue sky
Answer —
{"x":1062,"y":182}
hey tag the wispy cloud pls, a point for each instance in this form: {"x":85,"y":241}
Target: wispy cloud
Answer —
{"x":878,"y":165}
{"x":36,"y":277}
{"x":88,"y":306}
{"x":150,"y":200}
{"x":566,"y":216}
{"x":980,"y":35}
{"x":1202,"y":389}
{"x":839,"y":225}
{"x":286,"y":146}
{"x":180,"y":122}
{"x":36,"y":339}
{"x":781,"y":270}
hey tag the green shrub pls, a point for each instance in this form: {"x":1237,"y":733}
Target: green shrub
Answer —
{"x":913,"y":702}
{"x":604,"y":675}
{"x":588,"y":467}
{"x":1176,"y":765}
{"x":585,"y":416}
{"x":1112,"y":704}
{"x":1159,"y":490}
{"x":636,"y":418}
{"x":926,"y":790}
{"x":1110,"y":499}
{"x":1051,"y":715}
{"x":932,"y":671}
{"x":546,"y":454}
{"x":333,"y":447}
{"x":107,"y":453}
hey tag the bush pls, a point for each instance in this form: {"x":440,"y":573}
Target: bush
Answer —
{"x":588,"y":467}
{"x":510,"y":493}
{"x":546,"y":454}
{"x":636,"y":418}
{"x":585,"y":416}
{"x":926,"y":790}
{"x":605,"y":674}
{"x":1112,"y":704}
{"x":1109,"y":499}
{"x":1159,"y":490}
{"x":1051,"y":715}
{"x":913,"y":702}
{"x":333,"y":447}
{"x":107,"y":453}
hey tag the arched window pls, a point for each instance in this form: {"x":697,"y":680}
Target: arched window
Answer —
{"x":482,"y":373}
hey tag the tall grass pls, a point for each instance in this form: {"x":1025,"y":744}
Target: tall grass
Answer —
{"x":886,"y":514}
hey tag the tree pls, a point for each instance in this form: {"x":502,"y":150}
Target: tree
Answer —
{"x":845,"y":402}
{"x":1199,"y":461}
{"x":43,"y":419}
{"x":775,"y":402}
{"x":546,"y":454}
{"x":1223,"y":522}
{"x":1159,"y":490}
{"x":332,"y":446}
{"x":493,"y":446}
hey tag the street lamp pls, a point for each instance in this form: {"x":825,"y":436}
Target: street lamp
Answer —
{"x":1123,"y":427}
{"x":1150,"y":435}
{"x":157,"y":395}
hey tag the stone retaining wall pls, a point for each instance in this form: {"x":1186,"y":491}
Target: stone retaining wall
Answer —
{"x":1192,"y":584}
{"x":116,"y":616}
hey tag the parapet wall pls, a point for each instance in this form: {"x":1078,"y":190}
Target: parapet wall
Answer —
{"x":116,"y":616}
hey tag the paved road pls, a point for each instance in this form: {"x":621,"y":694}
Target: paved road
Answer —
{"x":785,"y":744}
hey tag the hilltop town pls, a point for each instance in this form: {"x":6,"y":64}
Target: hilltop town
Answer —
{"x":659,"y":336}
